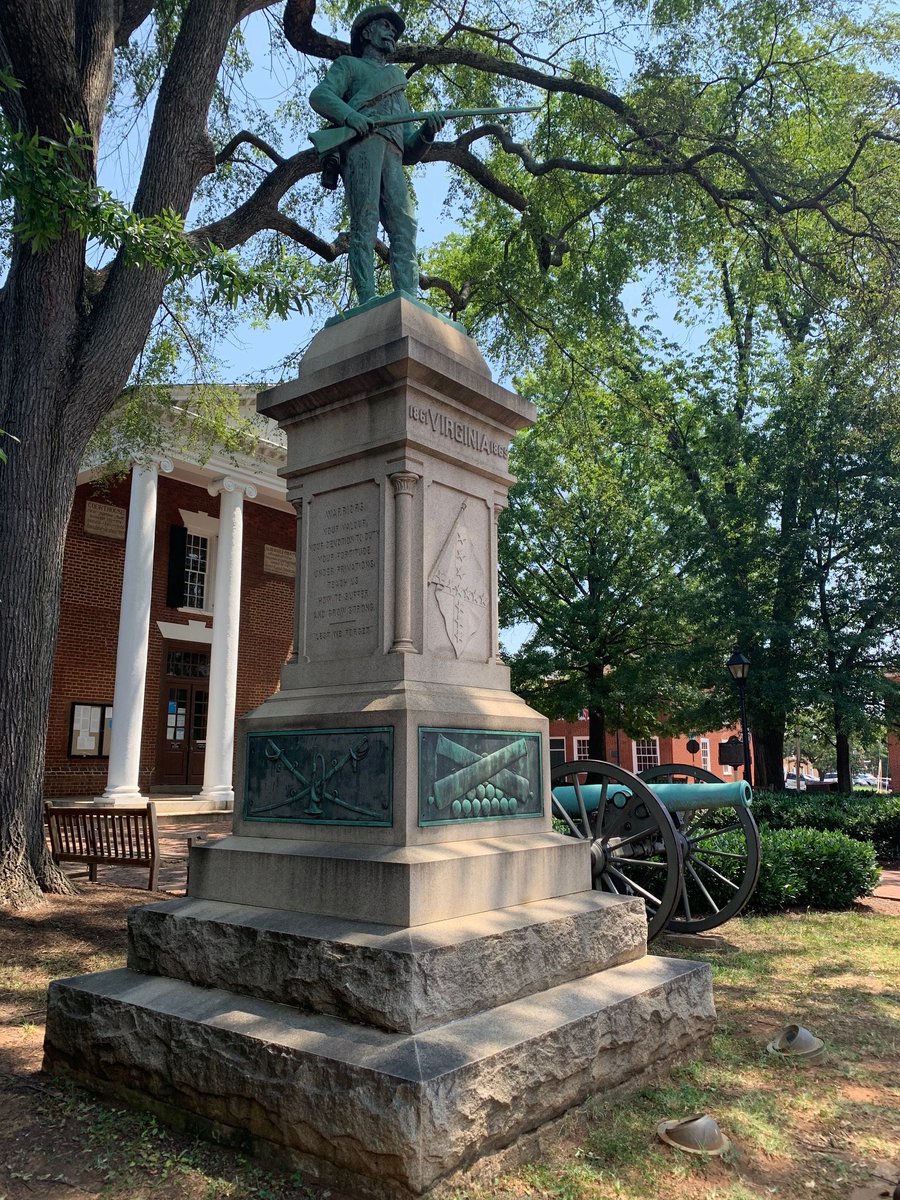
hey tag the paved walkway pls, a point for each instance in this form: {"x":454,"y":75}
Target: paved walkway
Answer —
{"x":174,"y":835}
{"x":173,"y":846}
{"x":889,"y":887}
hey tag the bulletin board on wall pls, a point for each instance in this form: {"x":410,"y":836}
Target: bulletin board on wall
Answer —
{"x":90,"y":730}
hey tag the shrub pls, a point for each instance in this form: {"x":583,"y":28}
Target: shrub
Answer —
{"x":812,"y":868}
{"x":866,"y":816}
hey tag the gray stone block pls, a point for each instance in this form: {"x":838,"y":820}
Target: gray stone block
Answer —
{"x":397,"y":979}
{"x":381,"y":1114}
{"x":411,"y":885}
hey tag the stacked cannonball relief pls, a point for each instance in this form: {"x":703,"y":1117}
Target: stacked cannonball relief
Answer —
{"x":484,"y":801}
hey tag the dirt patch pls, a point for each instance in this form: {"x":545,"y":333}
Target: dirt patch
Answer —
{"x":880,"y":905}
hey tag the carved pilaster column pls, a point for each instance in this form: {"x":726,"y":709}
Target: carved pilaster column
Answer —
{"x":404,"y":485}
{"x":218,"y":765}
{"x":499,"y":507}
{"x":122,"y":783}
{"x":297,"y":502}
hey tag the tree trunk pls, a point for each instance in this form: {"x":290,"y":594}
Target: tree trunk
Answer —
{"x":844,"y":774}
{"x":36,"y":490}
{"x":39,"y":325}
{"x":768,"y":754}
{"x":597,"y":733}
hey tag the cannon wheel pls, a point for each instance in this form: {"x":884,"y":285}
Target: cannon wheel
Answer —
{"x":716,"y":884}
{"x":635,"y":849}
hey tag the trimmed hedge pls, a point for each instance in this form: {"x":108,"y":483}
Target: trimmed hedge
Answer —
{"x":808,"y":868}
{"x":866,"y":816}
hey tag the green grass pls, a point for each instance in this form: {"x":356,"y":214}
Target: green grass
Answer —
{"x":797,"y":1130}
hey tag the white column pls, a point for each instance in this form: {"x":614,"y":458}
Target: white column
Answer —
{"x":223,"y":662}
{"x":122,"y":784}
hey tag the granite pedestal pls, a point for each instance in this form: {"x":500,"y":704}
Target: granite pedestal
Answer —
{"x":394,"y":967}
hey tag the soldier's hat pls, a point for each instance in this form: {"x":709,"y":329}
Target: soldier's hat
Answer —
{"x":365,"y":17}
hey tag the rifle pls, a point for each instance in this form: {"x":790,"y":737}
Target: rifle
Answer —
{"x":328,"y":139}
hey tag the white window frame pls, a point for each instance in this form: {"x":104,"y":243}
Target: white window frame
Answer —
{"x":203,"y":525}
{"x":582,"y":747}
{"x":557,"y":745}
{"x":705,"y":755}
{"x":642,"y":742}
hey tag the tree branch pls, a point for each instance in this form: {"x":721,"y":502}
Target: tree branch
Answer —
{"x":51,"y":87}
{"x":246,"y":137}
{"x":178,"y":155}
{"x":132,"y":14}
{"x":95,"y":39}
{"x":298,"y":29}
{"x":260,"y":209}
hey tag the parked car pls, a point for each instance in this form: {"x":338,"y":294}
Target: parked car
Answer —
{"x":865,"y":780}
{"x":790,"y":781}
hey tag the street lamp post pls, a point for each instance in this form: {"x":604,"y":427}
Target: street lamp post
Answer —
{"x":739,"y":668}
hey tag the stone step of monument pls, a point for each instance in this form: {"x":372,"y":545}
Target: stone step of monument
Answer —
{"x":397,"y":979}
{"x":378,"y":1114}
{"x":397,"y":885}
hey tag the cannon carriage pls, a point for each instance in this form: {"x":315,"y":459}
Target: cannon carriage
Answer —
{"x":675,"y":835}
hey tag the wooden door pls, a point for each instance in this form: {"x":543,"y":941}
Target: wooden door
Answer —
{"x":185,"y":702}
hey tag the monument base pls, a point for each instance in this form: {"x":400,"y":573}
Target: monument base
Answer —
{"x":380,"y":1114}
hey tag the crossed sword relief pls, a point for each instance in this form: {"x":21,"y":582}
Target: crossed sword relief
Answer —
{"x":315,"y":788}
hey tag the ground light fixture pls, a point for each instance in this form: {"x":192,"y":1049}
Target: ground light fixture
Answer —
{"x":796,"y":1042}
{"x":699,"y":1134}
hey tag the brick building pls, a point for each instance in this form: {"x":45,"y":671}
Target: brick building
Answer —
{"x":569,"y":741}
{"x":176,"y":616}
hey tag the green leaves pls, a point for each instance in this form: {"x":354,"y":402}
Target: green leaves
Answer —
{"x":585,"y":557}
{"x":45,"y":180}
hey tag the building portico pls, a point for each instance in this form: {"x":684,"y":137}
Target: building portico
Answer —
{"x":176,"y":617}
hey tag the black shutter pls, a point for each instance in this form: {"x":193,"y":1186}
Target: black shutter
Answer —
{"x":177,"y":552}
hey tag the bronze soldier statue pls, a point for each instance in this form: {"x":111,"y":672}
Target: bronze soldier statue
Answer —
{"x":358,"y":88}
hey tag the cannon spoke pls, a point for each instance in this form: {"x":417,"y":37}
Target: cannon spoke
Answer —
{"x":713,"y":833}
{"x":717,"y":874}
{"x":723,"y":861}
{"x":635,"y":887}
{"x":621,"y":812}
{"x":685,"y":901}
{"x":711,"y":892}
{"x":699,"y":882}
{"x":638,"y":862}
{"x":561,"y":815}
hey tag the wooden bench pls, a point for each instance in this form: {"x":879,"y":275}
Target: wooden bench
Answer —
{"x":124,"y":837}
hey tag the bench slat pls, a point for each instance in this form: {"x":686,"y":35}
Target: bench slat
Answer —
{"x":97,"y":836}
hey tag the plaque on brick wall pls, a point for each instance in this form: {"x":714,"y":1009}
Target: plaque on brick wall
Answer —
{"x":320,"y":776}
{"x":472,"y":774}
{"x":279,"y":562}
{"x":104,"y":520}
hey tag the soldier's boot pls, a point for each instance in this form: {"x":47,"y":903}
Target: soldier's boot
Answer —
{"x":361,"y":258}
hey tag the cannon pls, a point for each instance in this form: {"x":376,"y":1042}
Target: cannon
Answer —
{"x":675,"y":835}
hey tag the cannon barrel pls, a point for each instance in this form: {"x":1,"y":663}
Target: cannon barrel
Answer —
{"x":676,"y":797}
{"x":682,"y":797}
